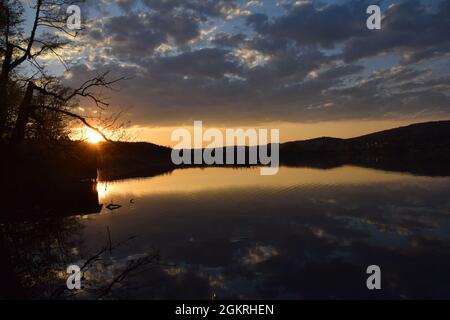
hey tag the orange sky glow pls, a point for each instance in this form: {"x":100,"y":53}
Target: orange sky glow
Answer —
{"x":288,"y":131}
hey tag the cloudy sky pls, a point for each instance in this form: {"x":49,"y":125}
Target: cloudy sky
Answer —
{"x":311,"y":68}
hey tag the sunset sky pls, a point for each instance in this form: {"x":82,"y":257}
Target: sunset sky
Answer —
{"x":309,"y":68}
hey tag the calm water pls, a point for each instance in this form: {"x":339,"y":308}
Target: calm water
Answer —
{"x":304,"y":233}
{"x":231,"y":233}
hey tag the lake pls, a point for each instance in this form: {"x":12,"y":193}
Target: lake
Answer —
{"x":230,"y":233}
{"x":301,"y":234}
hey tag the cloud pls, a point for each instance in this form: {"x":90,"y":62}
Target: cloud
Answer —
{"x":223,"y":39}
{"x":208,"y":63}
{"x":308,"y":62}
{"x":315,"y":24}
{"x":411,"y":29}
{"x":202,"y":8}
{"x":135,"y":36}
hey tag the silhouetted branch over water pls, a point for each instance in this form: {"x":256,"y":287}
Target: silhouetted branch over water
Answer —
{"x":103,"y":290}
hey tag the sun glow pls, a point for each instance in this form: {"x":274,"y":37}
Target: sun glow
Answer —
{"x":91,"y":136}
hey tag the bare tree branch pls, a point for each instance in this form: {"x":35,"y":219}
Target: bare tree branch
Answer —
{"x":76,"y":116}
{"x":83,"y":90}
{"x":27,"y":53}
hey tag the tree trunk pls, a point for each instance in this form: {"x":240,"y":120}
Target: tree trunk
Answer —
{"x":4,"y":77}
{"x":24,"y":111}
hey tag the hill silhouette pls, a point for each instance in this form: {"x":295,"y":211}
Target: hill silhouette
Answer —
{"x":422,"y":148}
{"x":428,"y":135}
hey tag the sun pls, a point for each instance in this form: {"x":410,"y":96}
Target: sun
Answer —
{"x":92,"y":136}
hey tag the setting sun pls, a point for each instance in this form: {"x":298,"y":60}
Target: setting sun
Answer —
{"x":92,"y":136}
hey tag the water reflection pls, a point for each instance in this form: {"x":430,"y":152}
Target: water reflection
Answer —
{"x":44,"y":199}
{"x":231,"y":233}
{"x":201,"y":179}
{"x":304,"y":233}
{"x":40,"y":233}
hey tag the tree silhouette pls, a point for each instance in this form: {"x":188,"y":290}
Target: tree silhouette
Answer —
{"x":42,"y":96}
